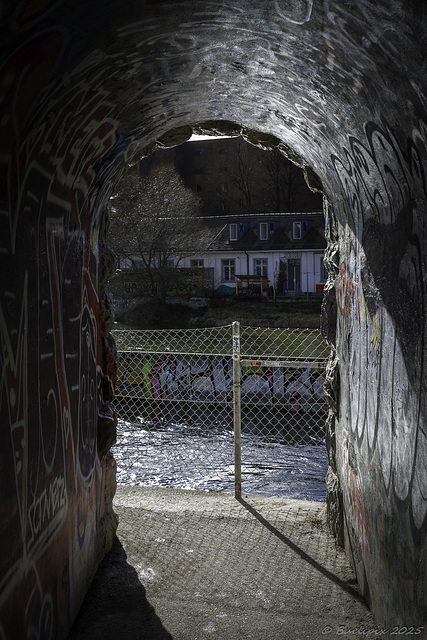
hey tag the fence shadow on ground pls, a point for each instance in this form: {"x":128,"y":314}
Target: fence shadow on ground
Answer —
{"x":346,"y":586}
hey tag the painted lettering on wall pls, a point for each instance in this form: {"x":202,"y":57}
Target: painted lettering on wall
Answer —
{"x":210,"y":378}
{"x":52,"y":347}
{"x":47,"y":510}
{"x":381,"y":324}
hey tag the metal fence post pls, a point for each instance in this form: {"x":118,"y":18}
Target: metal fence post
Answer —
{"x":237,"y":411}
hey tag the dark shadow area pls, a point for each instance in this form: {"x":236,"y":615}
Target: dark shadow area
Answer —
{"x":116,"y":606}
{"x":303,"y":555}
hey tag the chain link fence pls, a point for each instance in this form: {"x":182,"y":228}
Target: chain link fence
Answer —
{"x":221,"y":408}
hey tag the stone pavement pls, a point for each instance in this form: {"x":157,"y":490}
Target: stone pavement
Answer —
{"x":190,"y":565}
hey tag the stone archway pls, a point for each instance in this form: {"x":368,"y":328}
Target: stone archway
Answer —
{"x":85,"y":90}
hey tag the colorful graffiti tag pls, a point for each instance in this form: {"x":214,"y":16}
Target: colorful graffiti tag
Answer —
{"x":210,"y":379}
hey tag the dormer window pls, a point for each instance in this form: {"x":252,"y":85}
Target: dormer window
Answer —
{"x":263,"y":231}
{"x":236,"y":230}
{"x":300,"y":229}
{"x":296,"y":231}
{"x":267,"y":230}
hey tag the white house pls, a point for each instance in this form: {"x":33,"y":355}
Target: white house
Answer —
{"x":280,"y":252}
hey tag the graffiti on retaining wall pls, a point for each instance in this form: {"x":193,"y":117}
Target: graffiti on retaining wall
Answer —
{"x":209,"y":379}
{"x":52,"y":350}
{"x":352,"y":303}
{"x":382,"y":304}
{"x":358,"y":505}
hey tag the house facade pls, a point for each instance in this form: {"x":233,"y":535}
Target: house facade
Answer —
{"x":263,"y":254}
{"x":277,"y":254}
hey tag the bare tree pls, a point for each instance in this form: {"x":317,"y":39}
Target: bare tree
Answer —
{"x":154,"y":224}
{"x":242,"y":175}
{"x":258,"y":181}
{"x":285,"y":186}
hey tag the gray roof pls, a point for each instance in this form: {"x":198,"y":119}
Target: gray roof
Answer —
{"x":217,"y":229}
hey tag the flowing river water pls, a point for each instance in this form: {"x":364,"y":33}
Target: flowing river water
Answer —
{"x":189,"y":457}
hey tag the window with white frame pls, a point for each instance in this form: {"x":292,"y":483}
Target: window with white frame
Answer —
{"x":297,"y":231}
{"x":232,"y":229}
{"x":261,"y":267}
{"x":263,"y":231}
{"x":197,"y":263}
{"x":228,"y":270}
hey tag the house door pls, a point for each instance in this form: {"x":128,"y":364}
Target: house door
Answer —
{"x":294,"y":275}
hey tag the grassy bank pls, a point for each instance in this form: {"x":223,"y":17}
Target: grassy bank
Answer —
{"x":255,"y":342}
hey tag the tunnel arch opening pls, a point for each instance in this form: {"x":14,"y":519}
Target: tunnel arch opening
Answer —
{"x":252,"y":138}
{"x":263,"y":141}
{"x":361,"y":187}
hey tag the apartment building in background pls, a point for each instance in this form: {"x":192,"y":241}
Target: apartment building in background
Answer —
{"x":231,"y":176}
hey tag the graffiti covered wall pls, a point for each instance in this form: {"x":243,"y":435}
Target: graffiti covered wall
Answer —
{"x":210,"y":379}
{"x":57,"y":368}
{"x":382,"y":444}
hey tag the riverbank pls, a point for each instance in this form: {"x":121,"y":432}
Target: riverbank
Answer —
{"x":293,"y":313}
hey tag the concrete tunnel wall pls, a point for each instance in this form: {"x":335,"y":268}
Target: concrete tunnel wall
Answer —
{"x":87,"y":88}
